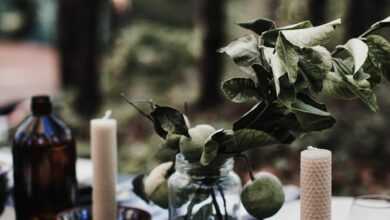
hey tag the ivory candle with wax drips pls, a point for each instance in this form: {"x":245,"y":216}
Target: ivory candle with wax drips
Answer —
{"x":316,"y":184}
{"x":104,"y":158}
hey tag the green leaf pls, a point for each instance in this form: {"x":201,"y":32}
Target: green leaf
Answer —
{"x":287,"y":91}
{"x":383,"y":23}
{"x":372,"y":69}
{"x":168,"y":120}
{"x":278,"y":71}
{"x":273,"y":119}
{"x":246,"y":139}
{"x":239,"y":89}
{"x":378,"y":25}
{"x":259,"y":25}
{"x":210,"y":152}
{"x":172,"y":141}
{"x":288,"y":56}
{"x":165,"y":154}
{"x":284,"y":90}
{"x":265,"y":85}
{"x":379,"y":53}
{"x":312,"y":36}
{"x":334,"y":86}
{"x":269,"y":37}
{"x":312,"y":115}
{"x":315,"y":63}
{"x":358,"y":50}
{"x":204,"y":212}
{"x":362,"y":89}
{"x":243,"y":51}
{"x":210,"y":149}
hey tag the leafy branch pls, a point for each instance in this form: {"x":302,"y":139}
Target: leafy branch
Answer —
{"x":289,"y":69}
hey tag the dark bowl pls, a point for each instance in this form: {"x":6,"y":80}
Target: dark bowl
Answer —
{"x":124,"y":213}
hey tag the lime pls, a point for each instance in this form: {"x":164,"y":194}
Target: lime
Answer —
{"x":264,"y":196}
{"x":192,"y":147}
{"x":156,"y":185}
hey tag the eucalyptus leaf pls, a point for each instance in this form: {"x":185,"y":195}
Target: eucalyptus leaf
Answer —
{"x":288,"y":56}
{"x":168,"y":120}
{"x":361,"y":88}
{"x":358,"y":50}
{"x":312,"y":36}
{"x":239,"y":89}
{"x":312,"y":115}
{"x":259,"y":25}
{"x":243,"y":51}
{"x":269,"y":37}
{"x":379,"y":53}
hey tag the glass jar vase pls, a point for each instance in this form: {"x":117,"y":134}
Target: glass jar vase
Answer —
{"x":204,"y":192}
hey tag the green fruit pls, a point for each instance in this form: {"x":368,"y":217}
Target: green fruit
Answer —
{"x":264,"y":196}
{"x":192,"y":147}
{"x":156,"y":185}
{"x":160,"y":195}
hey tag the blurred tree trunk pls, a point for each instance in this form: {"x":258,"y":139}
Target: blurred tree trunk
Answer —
{"x":273,"y":9}
{"x":362,"y":13}
{"x":317,"y":11}
{"x":79,"y":43}
{"x":211,"y":21}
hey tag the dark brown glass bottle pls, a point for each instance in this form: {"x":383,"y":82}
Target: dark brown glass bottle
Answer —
{"x":44,"y":159}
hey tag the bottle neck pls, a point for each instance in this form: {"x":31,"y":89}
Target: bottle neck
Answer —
{"x":218,"y":169}
{"x":41,"y":106}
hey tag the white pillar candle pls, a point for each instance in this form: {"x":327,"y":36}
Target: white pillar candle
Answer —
{"x":316,"y":184}
{"x":104,"y":158}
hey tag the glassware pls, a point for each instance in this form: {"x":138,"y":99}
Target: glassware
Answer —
{"x":44,"y":164}
{"x":375,"y":207}
{"x":198,"y":192}
{"x":84,"y":213}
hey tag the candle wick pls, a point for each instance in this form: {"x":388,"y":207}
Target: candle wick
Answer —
{"x":312,"y":148}
{"x":107,"y":115}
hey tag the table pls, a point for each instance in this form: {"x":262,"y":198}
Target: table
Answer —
{"x":340,"y":210}
{"x":290,"y":210}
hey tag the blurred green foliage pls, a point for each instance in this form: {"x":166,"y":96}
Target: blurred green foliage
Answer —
{"x":155,"y":56}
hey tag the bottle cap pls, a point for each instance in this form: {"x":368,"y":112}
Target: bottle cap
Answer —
{"x":41,"y":105}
